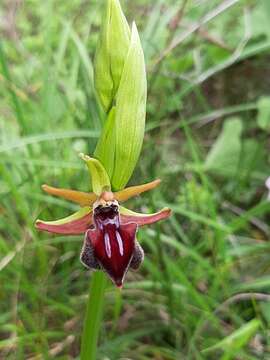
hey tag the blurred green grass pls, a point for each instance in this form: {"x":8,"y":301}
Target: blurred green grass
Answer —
{"x":203,"y":291}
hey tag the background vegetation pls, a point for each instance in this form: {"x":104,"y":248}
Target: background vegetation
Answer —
{"x":202,"y":292}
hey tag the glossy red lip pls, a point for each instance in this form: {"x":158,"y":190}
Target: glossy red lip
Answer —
{"x":113,"y":243}
{"x":113,"y":246}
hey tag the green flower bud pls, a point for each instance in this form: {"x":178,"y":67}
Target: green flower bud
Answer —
{"x":121,"y":83}
{"x":111,"y":53}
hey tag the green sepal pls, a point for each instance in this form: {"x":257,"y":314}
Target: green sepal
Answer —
{"x":111,"y":53}
{"x":99,"y":176}
{"x":130,"y":113}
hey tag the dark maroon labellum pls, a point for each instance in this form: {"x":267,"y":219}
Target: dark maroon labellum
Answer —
{"x":113,"y":243}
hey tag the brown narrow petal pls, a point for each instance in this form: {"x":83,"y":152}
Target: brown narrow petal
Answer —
{"x":127,"y":216}
{"x":132,"y":191}
{"x":79,"y":197}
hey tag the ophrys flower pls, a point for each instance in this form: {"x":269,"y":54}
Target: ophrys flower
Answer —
{"x":110,"y":229}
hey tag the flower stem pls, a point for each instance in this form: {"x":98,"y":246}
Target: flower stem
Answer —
{"x":93,"y":316}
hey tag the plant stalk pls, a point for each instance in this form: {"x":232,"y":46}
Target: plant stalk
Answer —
{"x":93,"y":316}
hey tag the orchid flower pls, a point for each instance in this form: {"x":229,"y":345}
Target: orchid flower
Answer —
{"x":110,"y":229}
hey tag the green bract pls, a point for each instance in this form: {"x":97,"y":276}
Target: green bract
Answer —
{"x":120,"y":81}
{"x":111,"y":53}
{"x":130,"y":113}
{"x":105,"y":149}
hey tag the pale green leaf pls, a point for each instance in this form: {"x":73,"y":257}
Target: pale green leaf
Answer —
{"x":224,"y":156}
{"x":265,"y":310}
{"x":263,"y":116}
{"x":237,"y":339}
